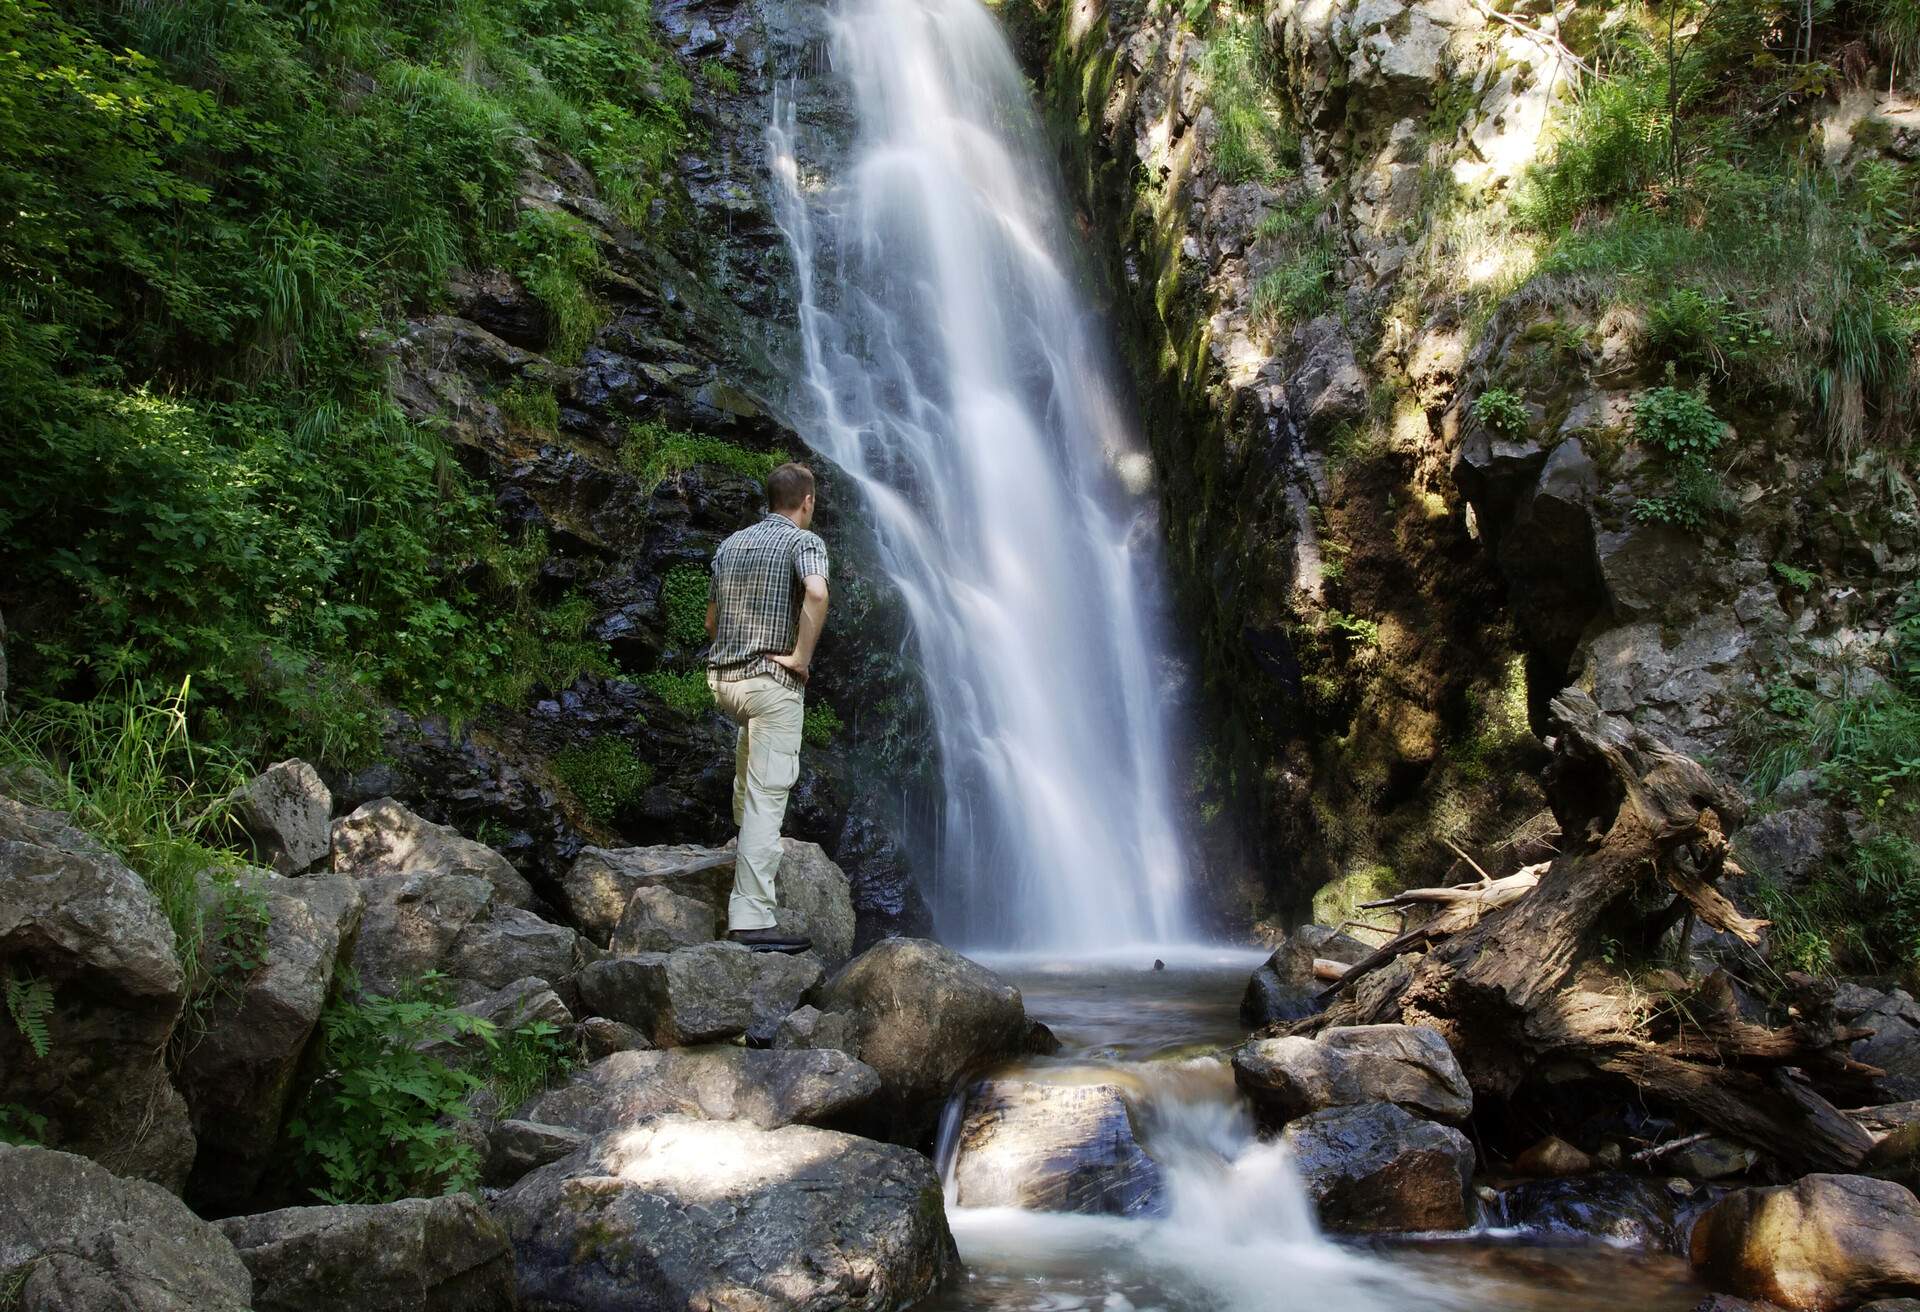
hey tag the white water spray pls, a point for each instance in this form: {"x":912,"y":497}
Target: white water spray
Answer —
{"x":956,"y":377}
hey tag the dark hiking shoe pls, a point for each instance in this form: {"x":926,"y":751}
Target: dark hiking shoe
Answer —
{"x":769,"y":940}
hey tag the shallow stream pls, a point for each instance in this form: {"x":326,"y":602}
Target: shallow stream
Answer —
{"x":1236,"y":1230}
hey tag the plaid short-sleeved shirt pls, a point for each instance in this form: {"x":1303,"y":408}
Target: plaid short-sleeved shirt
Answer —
{"x":757,"y":587}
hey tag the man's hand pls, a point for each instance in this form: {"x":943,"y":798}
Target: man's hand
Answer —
{"x":797,"y":668}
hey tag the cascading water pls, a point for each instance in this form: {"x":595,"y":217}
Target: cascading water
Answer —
{"x":956,"y":376}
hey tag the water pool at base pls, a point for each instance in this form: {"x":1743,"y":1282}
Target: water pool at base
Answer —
{"x":1236,"y":1233}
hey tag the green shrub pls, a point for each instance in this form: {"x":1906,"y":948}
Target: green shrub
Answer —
{"x":605,"y":774}
{"x":683,"y":593}
{"x":685,"y":691}
{"x":1697,"y":496}
{"x":214,"y":204}
{"x":820,"y":725}
{"x":22,"y":1127}
{"x":531,"y":406}
{"x":1677,"y":421}
{"x":375,"y":1125}
{"x":1502,"y":410}
{"x":655,"y":452}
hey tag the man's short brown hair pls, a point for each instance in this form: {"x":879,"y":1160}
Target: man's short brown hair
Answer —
{"x":788,"y":486}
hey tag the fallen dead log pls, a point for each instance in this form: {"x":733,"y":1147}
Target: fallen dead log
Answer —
{"x":1533,"y":979}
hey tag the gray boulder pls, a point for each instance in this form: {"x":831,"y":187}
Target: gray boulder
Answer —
{"x":1052,"y":1148}
{"x":600,"y":1037}
{"x":603,"y":880}
{"x":516,"y":1147}
{"x":1376,"y":1167}
{"x":1348,"y":1065}
{"x":88,"y":936}
{"x":810,"y":1027}
{"x":659,"y":920}
{"x":81,"y":1239}
{"x":682,"y":1213}
{"x":1282,"y":988}
{"x":700,"y":994}
{"x":1823,"y":1243}
{"x":813,"y":896}
{"x":1894,"y":1045}
{"x":763,"y":1088}
{"x":286,"y":812}
{"x":385,"y":838}
{"x":924,"y":1015}
{"x":520,"y":1003}
{"x":417,"y":1255}
{"x":451,"y":923}
{"x":238,"y":1076}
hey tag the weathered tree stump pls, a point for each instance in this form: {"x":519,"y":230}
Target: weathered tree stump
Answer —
{"x":1526,"y":976}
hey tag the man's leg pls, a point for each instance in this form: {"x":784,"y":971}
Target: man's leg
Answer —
{"x":771,"y":728}
{"x":723,"y":696}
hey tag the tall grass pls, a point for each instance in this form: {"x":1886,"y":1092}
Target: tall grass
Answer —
{"x":125,"y":769}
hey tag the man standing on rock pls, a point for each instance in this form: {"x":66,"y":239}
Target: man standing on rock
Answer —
{"x":765,"y":609}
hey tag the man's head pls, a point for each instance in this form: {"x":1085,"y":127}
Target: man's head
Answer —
{"x":790,"y":493}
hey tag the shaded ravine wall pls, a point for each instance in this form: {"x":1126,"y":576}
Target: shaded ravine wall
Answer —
{"x":1381,"y":591}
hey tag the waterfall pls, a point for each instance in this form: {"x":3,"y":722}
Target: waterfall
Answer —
{"x":957,"y":374}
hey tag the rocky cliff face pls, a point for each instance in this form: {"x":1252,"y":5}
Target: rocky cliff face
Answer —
{"x":1301,"y":218}
{"x":631,"y":462}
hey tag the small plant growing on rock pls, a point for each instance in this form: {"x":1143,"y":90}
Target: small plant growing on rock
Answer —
{"x":683,"y":594}
{"x":1795,"y":577}
{"x":1682,"y":424}
{"x":605,"y":775}
{"x":685,"y":691}
{"x":1360,"y":632}
{"x":820,"y":725}
{"x":23,"y":1128}
{"x":655,"y":452}
{"x":29,"y":1003}
{"x":1502,"y":410}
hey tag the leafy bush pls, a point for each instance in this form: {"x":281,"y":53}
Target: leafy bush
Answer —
{"x":655,"y":452}
{"x":605,"y":774}
{"x":821,"y":723}
{"x":1502,"y":410}
{"x":215,"y":202}
{"x":685,"y":691}
{"x":558,"y":260}
{"x":683,"y":593}
{"x":1679,"y":422}
{"x":1696,"y":497}
{"x":374,"y":1127}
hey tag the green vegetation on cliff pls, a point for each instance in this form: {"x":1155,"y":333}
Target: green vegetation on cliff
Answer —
{"x":216,"y":207}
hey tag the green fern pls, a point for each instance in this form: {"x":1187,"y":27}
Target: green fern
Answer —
{"x":30,"y":1002}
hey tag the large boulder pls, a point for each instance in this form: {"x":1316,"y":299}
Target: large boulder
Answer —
{"x":452,"y":924}
{"x":812,"y":894}
{"x":1282,"y":988}
{"x":1630,"y":1211}
{"x":681,"y":1213}
{"x":80,"y":1239}
{"x":385,"y":838}
{"x":1376,"y":1167}
{"x":417,"y":1255}
{"x":659,"y":920}
{"x":1352,"y":1064}
{"x":238,"y":1075}
{"x":1049,"y":1147}
{"x":1822,"y":1243}
{"x":765,"y":1088}
{"x":515,"y":1147}
{"x":603,"y":880}
{"x":700,"y":994}
{"x":922,"y":1016}
{"x":286,"y":813}
{"x":1894,"y":1043}
{"x":86,"y":937}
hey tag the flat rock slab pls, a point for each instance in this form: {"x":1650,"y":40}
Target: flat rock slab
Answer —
{"x":680,"y":1214}
{"x":416,"y":1255}
{"x":765,"y":1088}
{"x":90,"y":1240}
{"x":1050,"y":1147}
{"x":1375,"y":1168}
{"x":1822,"y":1243}
{"x":700,"y":994}
{"x":452,"y":924}
{"x":1353,"y":1064}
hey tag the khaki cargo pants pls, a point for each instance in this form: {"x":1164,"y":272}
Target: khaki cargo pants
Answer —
{"x":766,"y":761}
